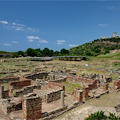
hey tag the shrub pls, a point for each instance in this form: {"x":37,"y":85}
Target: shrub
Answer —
{"x":101,"y":116}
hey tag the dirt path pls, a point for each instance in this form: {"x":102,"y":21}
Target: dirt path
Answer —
{"x":105,"y":103}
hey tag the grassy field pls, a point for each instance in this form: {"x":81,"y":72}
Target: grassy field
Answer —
{"x":100,"y":64}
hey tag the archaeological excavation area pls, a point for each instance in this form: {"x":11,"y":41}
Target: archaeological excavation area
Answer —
{"x":46,"y":90}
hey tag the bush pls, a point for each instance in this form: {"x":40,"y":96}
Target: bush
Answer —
{"x":101,"y":116}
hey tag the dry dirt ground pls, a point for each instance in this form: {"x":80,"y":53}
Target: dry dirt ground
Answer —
{"x":105,"y":103}
{"x":3,"y":116}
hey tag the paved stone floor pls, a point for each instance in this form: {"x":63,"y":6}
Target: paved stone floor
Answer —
{"x":3,"y":116}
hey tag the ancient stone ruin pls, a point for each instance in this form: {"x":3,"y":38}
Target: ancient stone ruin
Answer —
{"x":43,"y":95}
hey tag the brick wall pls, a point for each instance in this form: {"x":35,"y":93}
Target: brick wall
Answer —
{"x":5,"y":93}
{"x":32,"y":108}
{"x":108,"y":79}
{"x":85,"y":92}
{"x":77,"y":95}
{"x":19,"y":84}
{"x":105,"y":86}
{"x":82,"y":79}
{"x":116,"y":84}
{"x":55,"y":85}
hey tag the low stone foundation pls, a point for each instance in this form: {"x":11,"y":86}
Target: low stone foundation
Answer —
{"x":37,"y":76}
{"x":54,"y":95}
{"x":26,"y":90}
{"x":6,"y":80}
{"x":9,"y":107}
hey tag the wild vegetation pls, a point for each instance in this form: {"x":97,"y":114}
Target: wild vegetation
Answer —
{"x":94,"y":48}
{"x":101,"y":116}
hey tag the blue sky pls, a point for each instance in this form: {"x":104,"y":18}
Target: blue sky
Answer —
{"x":56,"y":24}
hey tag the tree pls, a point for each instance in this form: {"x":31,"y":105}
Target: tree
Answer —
{"x":51,"y":53}
{"x":15,"y":54}
{"x":56,"y":53}
{"x":30,"y":52}
{"x":38,"y":52}
{"x":21,"y":53}
{"x":46,"y":51}
{"x":64,"y":51}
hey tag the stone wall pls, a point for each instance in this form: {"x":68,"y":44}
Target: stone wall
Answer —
{"x":27,"y":89}
{"x":19,"y":84}
{"x":36,"y":75}
{"x":58,"y":80}
{"x":53,"y":112}
{"x":32,"y":107}
{"x":54,"y":95}
{"x":79,"y":79}
{"x":5,"y":80}
{"x":108,"y":79}
{"x":91,"y":83}
{"x":7,"y":107}
{"x":55,"y":85}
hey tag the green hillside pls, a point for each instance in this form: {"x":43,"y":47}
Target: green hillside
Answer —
{"x":96,"y":47}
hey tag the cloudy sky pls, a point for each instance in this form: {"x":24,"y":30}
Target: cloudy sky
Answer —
{"x":56,"y":24}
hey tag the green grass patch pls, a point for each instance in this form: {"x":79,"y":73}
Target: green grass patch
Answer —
{"x":114,"y":76}
{"x":5,"y":85}
{"x":110,"y":55}
{"x":69,"y":87}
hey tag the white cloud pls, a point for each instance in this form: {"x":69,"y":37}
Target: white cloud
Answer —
{"x":19,"y":28}
{"x":14,"y":42}
{"x":16,"y":24}
{"x":43,"y":41}
{"x":72,"y":45}
{"x":32,"y":38}
{"x":60,"y":42}
{"x":110,"y":7}
{"x":103,"y":25}
{"x":6,"y":44}
{"x":4,"y":22}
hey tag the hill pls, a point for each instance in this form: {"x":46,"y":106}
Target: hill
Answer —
{"x":96,"y":47}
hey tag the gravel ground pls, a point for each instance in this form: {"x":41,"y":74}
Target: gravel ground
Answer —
{"x":80,"y":114}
